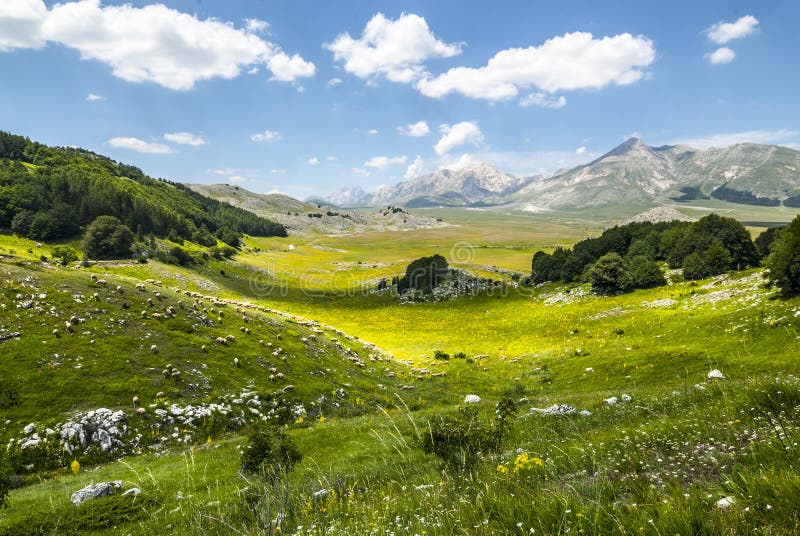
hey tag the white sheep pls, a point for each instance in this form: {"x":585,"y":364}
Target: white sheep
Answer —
{"x":154,"y":349}
{"x":94,"y":277}
{"x":56,"y":333}
{"x":236,"y":361}
{"x":102,"y":282}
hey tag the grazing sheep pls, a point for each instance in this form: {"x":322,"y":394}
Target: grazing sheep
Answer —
{"x":236,"y":361}
{"x":279,"y":375}
{"x":157,"y":316}
{"x":160,"y":394}
{"x":150,"y":302}
{"x":242,"y":329}
{"x":279,"y":336}
{"x":154,"y":349}
{"x":165,"y":373}
{"x":203,"y":348}
{"x":144,"y":314}
{"x":94,"y":277}
{"x":141,"y":411}
{"x":135,"y":401}
{"x":56,"y":333}
{"x":102,"y":282}
{"x":261,"y":342}
{"x":272,"y":377}
{"x":273,"y":370}
{"x":176,"y":374}
{"x":68,"y":327}
{"x":221,"y":340}
{"x":96,"y":296}
{"x":157,"y":295}
{"x":74,"y":320}
{"x":169,"y":366}
{"x":231,"y":338}
{"x":288,"y":388}
{"x":140,"y":287}
{"x":119,"y":289}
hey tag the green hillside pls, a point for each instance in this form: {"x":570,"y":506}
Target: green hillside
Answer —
{"x":51,"y":192}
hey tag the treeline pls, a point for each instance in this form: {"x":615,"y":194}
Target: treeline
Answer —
{"x":52,"y":192}
{"x":630,"y":253}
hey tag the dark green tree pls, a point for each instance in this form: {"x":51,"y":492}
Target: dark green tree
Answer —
{"x":424,"y":274}
{"x":609,"y":274}
{"x":269,"y":453}
{"x":784,"y":260}
{"x":107,"y":238}
{"x":765,"y":240}
{"x":712,"y":261}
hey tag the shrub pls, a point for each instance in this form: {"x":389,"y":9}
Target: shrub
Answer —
{"x":609,"y":274}
{"x":647,"y":274}
{"x":461,"y":440}
{"x":269,"y":453}
{"x":784,"y":260}
{"x":107,"y":238}
{"x":65,"y":254}
{"x":438,"y":354}
{"x":423,"y":274}
{"x":701,"y":264}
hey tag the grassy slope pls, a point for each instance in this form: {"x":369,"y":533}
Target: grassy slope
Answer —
{"x":661,"y":462}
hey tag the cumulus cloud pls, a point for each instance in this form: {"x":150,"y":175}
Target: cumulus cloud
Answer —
{"x":21,"y":24}
{"x":455,"y":163}
{"x":415,"y":130}
{"x":415,"y":168}
{"x":722,"y":32}
{"x":572,"y":61}
{"x":580,"y":150}
{"x":92,"y":97}
{"x":456,"y":135}
{"x":373,"y":131}
{"x":361,"y":172}
{"x":268,"y":136}
{"x":236,"y":178}
{"x":396,"y":49}
{"x":256,"y":25}
{"x":313,"y":161}
{"x":721,"y":55}
{"x":334,"y":82}
{"x":542,"y":100}
{"x":153,"y":43}
{"x":781,"y":136}
{"x":382,"y":162}
{"x":185,"y":138}
{"x":140,"y":146}
{"x":278,"y":171}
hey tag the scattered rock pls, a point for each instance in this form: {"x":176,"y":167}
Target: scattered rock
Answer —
{"x":95,"y":491}
{"x":472,"y":399}
{"x":716,"y":374}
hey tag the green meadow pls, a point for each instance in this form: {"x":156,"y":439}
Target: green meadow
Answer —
{"x":680,"y":453}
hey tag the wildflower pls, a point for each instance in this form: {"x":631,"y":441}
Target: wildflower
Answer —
{"x":75,"y":466}
{"x":502,"y":469}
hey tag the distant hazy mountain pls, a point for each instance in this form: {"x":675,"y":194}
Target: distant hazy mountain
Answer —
{"x":632,"y":174}
{"x":478,"y":183}
{"x":350,"y":196}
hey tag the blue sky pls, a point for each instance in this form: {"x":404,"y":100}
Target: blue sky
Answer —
{"x":304,"y":97}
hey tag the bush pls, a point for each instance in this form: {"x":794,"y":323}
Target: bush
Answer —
{"x":423,"y":274}
{"x":647,"y":274}
{"x":609,"y":274}
{"x":438,"y":354}
{"x":461,"y":440}
{"x":107,"y":238}
{"x":5,"y":481}
{"x":65,"y":254}
{"x":784,"y":260}
{"x":701,"y":264}
{"x":269,"y":453}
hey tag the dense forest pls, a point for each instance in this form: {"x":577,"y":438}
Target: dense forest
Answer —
{"x":53,"y":192}
{"x":706,"y":247}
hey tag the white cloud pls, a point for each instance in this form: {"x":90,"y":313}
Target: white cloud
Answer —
{"x":21,"y":24}
{"x":225,"y":171}
{"x":779,"y":137}
{"x":361,"y":172}
{"x":396,"y":49}
{"x":568,"y":62}
{"x":722,"y":32}
{"x":140,"y":146}
{"x":721,"y":55}
{"x":92,"y":97}
{"x":542,"y":100}
{"x":236,"y":178}
{"x":455,"y":163}
{"x":185,"y":138}
{"x":456,"y":135}
{"x":415,"y":130}
{"x":278,"y":171}
{"x":373,"y":131}
{"x":256,"y":25}
{"x":152,"y":43}
{"x":580,"y":150}
{"x":253,"y":70}
{"x":331,"y":159}
{"x":382,"y":162}
{"x":313,"y":161}
{"x":334,"y":82}
{"x":415,"y":168}
{"x":268,"y":136}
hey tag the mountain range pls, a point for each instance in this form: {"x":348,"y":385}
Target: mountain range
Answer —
{"x":633,"y":173}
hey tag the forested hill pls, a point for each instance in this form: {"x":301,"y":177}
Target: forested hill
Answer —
{"x":51,"y":192}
